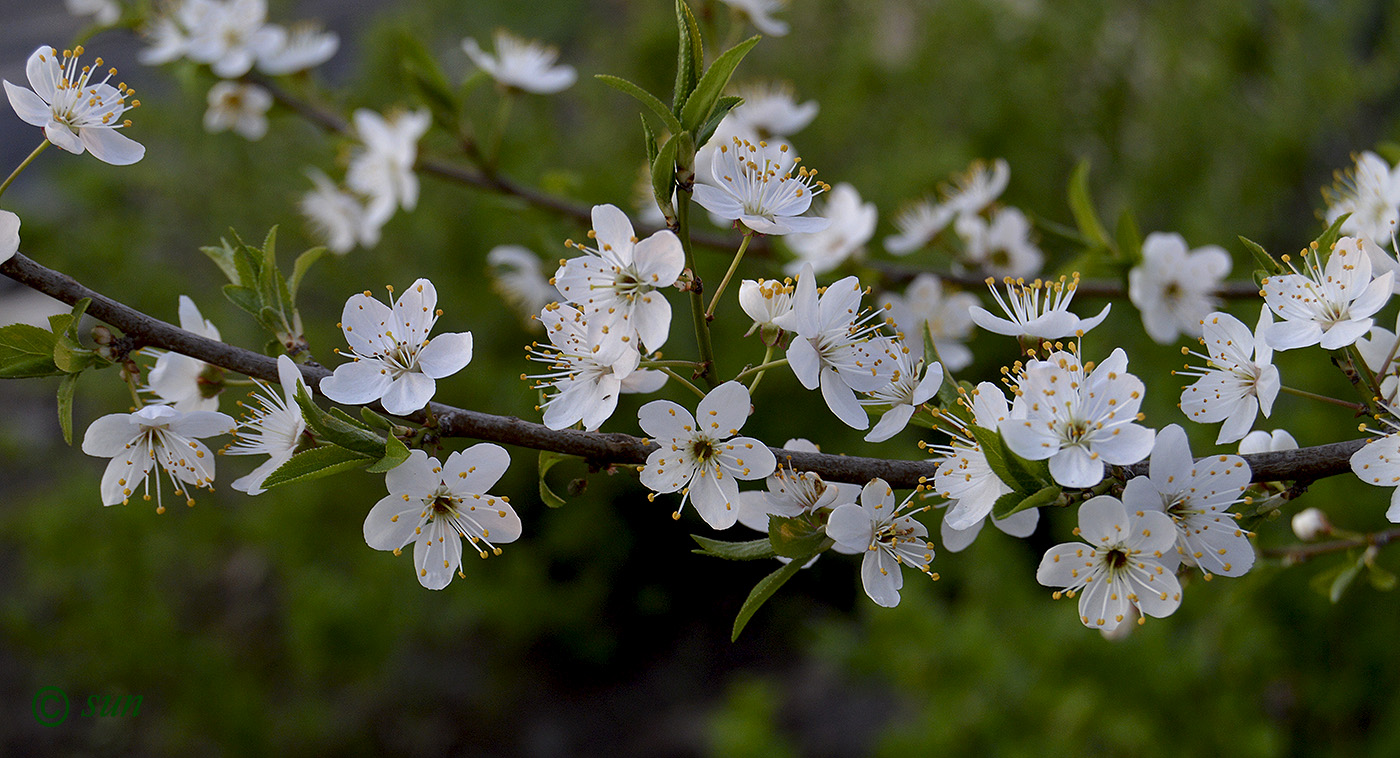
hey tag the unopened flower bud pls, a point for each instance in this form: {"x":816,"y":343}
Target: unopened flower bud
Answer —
{"x":102,"y":335}
{"x":1311,"y":523}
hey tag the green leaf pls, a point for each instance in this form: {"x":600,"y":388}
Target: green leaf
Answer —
{"x":548,"y":460}
{"x":1328,"y":238}
{"x":1343,"y":580}
{"x":1380,"y":578}
{"x":1013,"y":470}
{"x":1262,"y":257}
{"x":793,"y":537}
{"x":425,"y":78}
{"x":337,"y":431}
{"x":1040,"y":499}
{"x":71,"y":357}
{"x":768,"y":586}
{"x":223,"y":256}
{"x":299,"y":269}
{"x":395,"y":452}
{"x":1081,"y":204}
{"x":65,"y":405}
{"x":734,"y":551}
{"x":314,"y":464}
{"x":645,"y":98}
{"x":690,"y":59}
{"x":374,"y":420}
{"x":722,"y":109}
{"x":698,"y":106}
{"x":663,"y":173}
{"x":1129,"y":238}
{"x":347,"y":418}
{"x":245,"y":298}
{"x":26,"y":351}
{"x":649,"y":140}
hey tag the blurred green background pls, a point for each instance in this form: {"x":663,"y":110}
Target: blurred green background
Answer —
{"x":265,"y":625}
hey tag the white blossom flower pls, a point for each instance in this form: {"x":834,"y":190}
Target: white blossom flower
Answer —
{"x":103,"y":12}
{"x":888,"y":538}
{"x":770,"y":109}
{"x":766,"y":301}
{"x":852,"y":225}
{"x":906,"y":391}
{"x":924,"y":310}
{"x":1267,"y":442}
{"x":704,"y":458}
{"x":1370,"y":192}
{"x":617,"y":285}
{"x":760,"y":14}
{"x":1330,"y":306}
{"x":180,"y":380}
{"x":76,"y":112}
{"x":1079,"y":422}
{"x":764,"y":187}
{"x":517,"y":277}
{"x":918,"y":224}
{"x":1000,"y":248}
{"x":172,"y":27}
{"x":240,"y":107}
{"x":838,"y":347}
{"x":437,"y":505}
{"x":793,"y":493}
{"x":522,"y":64}
{"x":1039,"y":309}
{"x":382,"y":169}
{"x":1174,"y":288}
{"x":978,"y":187}
{"x":1310,"y":523}
{"x":337,"y":216}
{"x":394,"y":361}
{"x":585,"y":387}
{"x":154,"y":435}
{"x":274,"y":428}
{"x":1238,"y":379}
{"x":230,"y":36}
{"x":1378,"y":462}
{"x":1128,"y":563}
{"x":964,"y":477}
{"x":1381,"y":352}
{"x":1197,"y":496}
{"x":303,"y":46}
{"x":9,"y":235}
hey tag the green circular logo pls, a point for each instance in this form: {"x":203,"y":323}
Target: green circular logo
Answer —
{"x":50,"y":706}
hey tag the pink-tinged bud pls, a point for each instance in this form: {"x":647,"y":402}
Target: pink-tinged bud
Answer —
{"x":1311,"y":523}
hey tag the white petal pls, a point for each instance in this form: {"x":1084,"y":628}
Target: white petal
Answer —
{"x":437,"y":555}
{"x":841,"y":399}
{"x":1060,"y":563}
{"x":110,"y":146}
{"x":891,"y":423}
{"x":716,"y":500}
{"x":406,"y":394}
{"x":1103,"y":521}
{"x":9,"y":235}
{"x":614,"y":233}
{"x":357,"y":383}
{"x":664,"y":420}
{"x":805,"y":362}
{"x":446,"y":354}
{"x":850,"y":526}
{"x":724,"y":410}
{"x":391,"y":522}
{"x":1020,"y":523}
{"x":30,"y":108}
{"x":476,"y":469}
{"x":956,"y":540}
{"x":881,"y":576}
{"x":109,"y":435}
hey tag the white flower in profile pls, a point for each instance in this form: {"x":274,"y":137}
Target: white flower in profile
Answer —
{"x":9,"y":235}
{"x":522,"y":64}
{"x":763,"y":186}
{"x":966,"y":479}
{"x":978,"y":187}
{"x":394,"y":361}
{"x":617,"y":285}
{"x":274,"y":428}
{"x":1238,"y":379}
{"x":1381,"y":352}
{"x":76,"y":112}
{"x":240,"y":107}
{"x":585,"y":387}
{"x":171,"y":27}
{"x":704,"y":459}
{"x":1370,"y":192}
{"x":156,"y":435}
{"x":336,"y":216}
{"x":924,"y":310}
{"x":911,"y":386}
{"x":518,"y":278}
{"x":304,"y":46}
{"x":1039,"y":309}
{"x":770,"y":109}
{"x":103,"y":12}
{"x":1079,"y":420}
{"x":382,"y":169}
{"x":437,"y":505}
{"x":1000,"y":248}
{"x":178,"y":379}
{"x":760,"y":14}
{"x":852,"y":225}
{"x":793,"y":493}
{"x":1261,"y":441}
{"x":1128,"y":563}
{"x":918,"y":224}
{"x":1378,"y":462}
{"x":1174,"y":287}
{"x":838,"y":347}
{"x":1327,"y":305}
{"x":766,"y":301}
{"x":1197,"y":496}
{"x":889,"y":538}
{"x":231,"y":36}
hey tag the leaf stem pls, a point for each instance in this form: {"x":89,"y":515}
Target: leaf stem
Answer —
{"x":734,"y":264}
{"x":767,"y":356}
{"x":682,"y":380}
{"x":1323,"y":398}
{"x":23,"y":164}
{"x":760,"y":368}
{"x":707,"y":371}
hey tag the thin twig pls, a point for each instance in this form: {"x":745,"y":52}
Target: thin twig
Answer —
{"x":1299,"y":553}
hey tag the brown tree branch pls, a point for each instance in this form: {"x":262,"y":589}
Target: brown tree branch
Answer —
{"x":1306,"y":464}
{"x":1299,"y":553}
